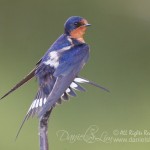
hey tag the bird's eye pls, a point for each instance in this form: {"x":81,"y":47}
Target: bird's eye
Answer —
{"x":77,"y":24}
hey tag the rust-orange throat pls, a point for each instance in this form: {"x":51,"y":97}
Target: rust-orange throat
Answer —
{"x":79,"y":32}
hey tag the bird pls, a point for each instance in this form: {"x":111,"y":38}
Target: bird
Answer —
{"x":57,"y":72}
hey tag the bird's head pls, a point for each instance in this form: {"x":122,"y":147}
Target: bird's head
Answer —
{"x":75,"y":27}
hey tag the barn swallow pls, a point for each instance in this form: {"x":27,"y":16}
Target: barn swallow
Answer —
{"x":57,"y":72}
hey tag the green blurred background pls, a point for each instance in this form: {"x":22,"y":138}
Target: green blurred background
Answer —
{"x":120,"y":59}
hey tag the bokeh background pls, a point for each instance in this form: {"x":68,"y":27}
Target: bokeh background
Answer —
{"x":120,"y":60}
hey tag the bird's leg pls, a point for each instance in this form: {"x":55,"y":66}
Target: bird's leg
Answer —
{"x":43,"y":130}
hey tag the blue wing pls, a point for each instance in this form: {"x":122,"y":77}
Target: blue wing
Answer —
{"x":70,"y":64}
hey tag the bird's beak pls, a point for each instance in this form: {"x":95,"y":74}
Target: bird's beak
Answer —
{"x":86,"y":25}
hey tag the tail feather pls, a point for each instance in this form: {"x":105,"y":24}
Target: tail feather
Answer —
{"x":83,"y":80}
{"x":23,"y":81}
{"x":25,"y":118}
{"x":65,"y":96}
{"x":41,"y":97}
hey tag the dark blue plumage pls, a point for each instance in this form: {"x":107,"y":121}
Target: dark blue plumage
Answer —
{"x":58,"y":70}
{"x":70,"y":63}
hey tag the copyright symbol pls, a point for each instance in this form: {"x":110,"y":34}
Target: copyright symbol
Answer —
{"x":115,"y":132}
